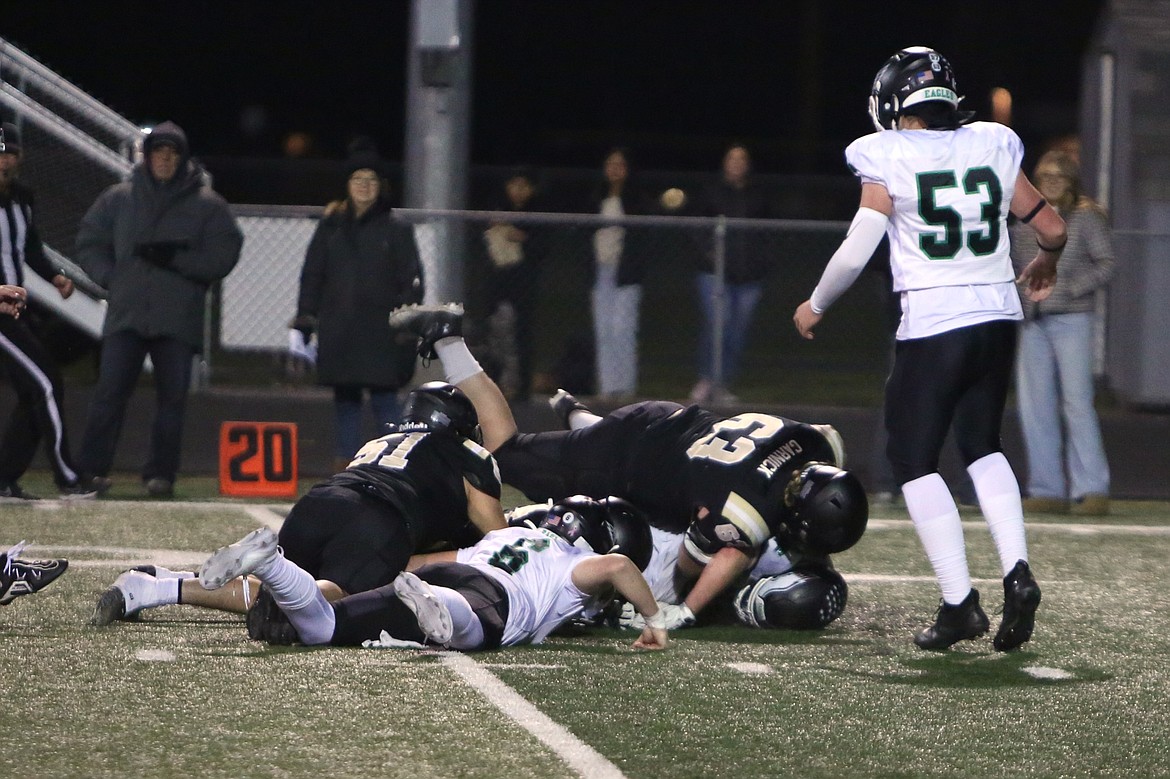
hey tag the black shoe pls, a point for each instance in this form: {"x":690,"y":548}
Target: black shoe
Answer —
{"x":429,"y":323}
{"x":24,"y":577}
{"x":99,"y":484}
{"x":11,"y":490}
{"x":565,"y":404}
{"x":266,"y":622}
{"x":1021,"y":598}
{"x":78,"y":491}
{"x":159,"y":487}
{"x":954,"y":623}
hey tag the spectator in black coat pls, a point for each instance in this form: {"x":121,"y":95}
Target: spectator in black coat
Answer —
{"x":360,"y":265}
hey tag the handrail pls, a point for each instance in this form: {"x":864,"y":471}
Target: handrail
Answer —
{"x":66,"y":132}
{"x":65,"y":91}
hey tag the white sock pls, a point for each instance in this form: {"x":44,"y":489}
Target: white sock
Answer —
{"x":999,"y":500}
{"x":579,"y":418}
{"x":468,"y":630}
{"x":458,"y":362}
{"x":295,"y":590}
{"x":166,"y":573}
{"x":936,"y":518}
{"x":156,"y":591}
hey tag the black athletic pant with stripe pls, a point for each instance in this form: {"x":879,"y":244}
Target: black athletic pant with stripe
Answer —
{"x":39,"y":413}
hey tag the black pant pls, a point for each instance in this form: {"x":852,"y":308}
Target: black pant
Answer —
{"x":348,"y":537}
{"x":364,"y":616}
{"x":123,"y":354}
{"x":589,"y":461}
{"x":39,"y":412}
{"x":962,"y":376}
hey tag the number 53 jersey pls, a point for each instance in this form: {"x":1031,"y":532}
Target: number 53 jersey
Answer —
{"x":951,"y":191}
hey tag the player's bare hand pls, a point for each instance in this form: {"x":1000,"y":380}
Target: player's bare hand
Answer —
{"x":806,"y":319}
{"x":652,"y":638}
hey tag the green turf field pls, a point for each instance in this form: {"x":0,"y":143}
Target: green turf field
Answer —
{"x":185,"y":693}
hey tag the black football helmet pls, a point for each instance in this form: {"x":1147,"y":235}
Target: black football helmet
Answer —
{"x":801,"y":599}
{"x":912,"y":76}
{"x":631,"y":530}
{"x":823,"y":510}
{"x":442,"y":407}
{"x":608,"y":526}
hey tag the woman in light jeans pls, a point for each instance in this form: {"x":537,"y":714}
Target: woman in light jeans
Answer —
{"x":619,"y":270}
{"x":1067,"y":468}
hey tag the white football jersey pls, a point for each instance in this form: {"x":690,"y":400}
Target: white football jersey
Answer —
{"x":951,"y":191}
{"x":664,"y":560}
{"x":535,"y":568}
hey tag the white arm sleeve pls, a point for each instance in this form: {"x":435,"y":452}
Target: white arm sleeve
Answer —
{"x":865,"y":233}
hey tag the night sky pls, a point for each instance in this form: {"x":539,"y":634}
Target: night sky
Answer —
{"x":556,"y":82}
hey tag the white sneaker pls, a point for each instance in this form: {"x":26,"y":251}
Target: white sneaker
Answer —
{"x":131,"y":592}
{"x":239,"y":559}
{"x":434,"y":619}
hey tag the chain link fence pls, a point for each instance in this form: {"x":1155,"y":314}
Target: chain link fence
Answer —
{"x":546,"y":296}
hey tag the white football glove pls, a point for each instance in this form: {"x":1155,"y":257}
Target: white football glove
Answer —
{"x":677,"y":616}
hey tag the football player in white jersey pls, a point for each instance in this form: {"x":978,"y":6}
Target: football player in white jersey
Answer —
{"x":514,"y":586}
{"x":941,"y":187}
{"x":782,"y":590}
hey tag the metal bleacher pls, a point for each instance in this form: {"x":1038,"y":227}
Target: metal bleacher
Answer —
{"x":74,"y":147}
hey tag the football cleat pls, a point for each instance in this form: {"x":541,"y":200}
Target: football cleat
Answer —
{"x":429,"y":323}
{"x":564,"y":405}
{"x":131,"y":592}
{"x":955,"y":623}
{"x":266,"y":622}
{"x":434,"y":620}
{"x":238,"y":559}
{"x":1021,"y":598}
{"x":24,"y":577}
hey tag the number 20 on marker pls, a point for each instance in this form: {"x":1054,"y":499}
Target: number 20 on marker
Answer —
{"x":258,"y":459}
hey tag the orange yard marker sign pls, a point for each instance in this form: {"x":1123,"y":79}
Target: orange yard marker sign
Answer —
{"x":258,"y":459}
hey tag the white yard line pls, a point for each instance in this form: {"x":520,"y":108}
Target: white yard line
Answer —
{"x":578,"y":755}
{"x":1072,"y":528}
{"x":265,"y":516}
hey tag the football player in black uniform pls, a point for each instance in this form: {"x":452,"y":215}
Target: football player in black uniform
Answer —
{"x":429,"y":483}
{"x":730,"y":484}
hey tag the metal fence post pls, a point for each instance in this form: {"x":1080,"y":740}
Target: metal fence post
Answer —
{"x":719,"y":307}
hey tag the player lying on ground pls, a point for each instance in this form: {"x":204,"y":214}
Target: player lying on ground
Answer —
{"x":514,"y":586}
{"x":729,"y":484}
{"x":784,"y":591}
{"x":426,"y":484}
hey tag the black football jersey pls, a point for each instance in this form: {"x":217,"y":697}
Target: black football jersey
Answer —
{"x":421,"y":474}
{"x":690,"y":457}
